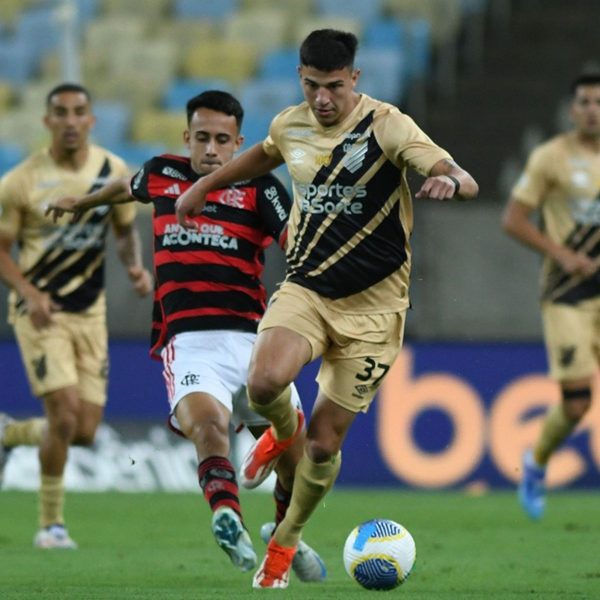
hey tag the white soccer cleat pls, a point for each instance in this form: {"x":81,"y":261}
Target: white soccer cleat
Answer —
{"x":4,"y":450}
{"x":231,"y":535}
{"x":54,"y":537}
{"x":307,"y":564}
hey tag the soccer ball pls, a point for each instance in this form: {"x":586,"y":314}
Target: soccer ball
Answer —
{"x":379,"y":554}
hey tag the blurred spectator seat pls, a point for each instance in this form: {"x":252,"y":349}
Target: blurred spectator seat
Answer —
{"x":113,"y":119}
{"x":157,"y":126}
{"x":262,"y":100}
{"x":179,"y":91}
{"x":266,"y":28}
{"x":270,"y":96}
{"x":227,"y":59}
{"x":135,"y":155}
{"x":382,"y":74}
{"x":10,"y":155}
{"x":151,"y":9}
{"x":11,"y":9}
{"x":364,"y":10}
{"x":280,"y":63}
{"x":185,"y":33}
{"x":205,"y":9}
{"x":28,"y":129}
{"x":302,"y":27}
{"x":18,"y":61}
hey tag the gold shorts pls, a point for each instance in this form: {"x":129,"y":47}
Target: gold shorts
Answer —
{"x":572,"y":336}
{"x":357,"y":349}
{"x":73,"y":351}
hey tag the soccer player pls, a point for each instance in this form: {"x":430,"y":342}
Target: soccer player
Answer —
{"x":209,"y":299}
{"x":345,"y":295}
{"x":561,"y":182}
{"x":57,"y":303}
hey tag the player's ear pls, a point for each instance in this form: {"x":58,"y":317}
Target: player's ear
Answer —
{"x":239,"y":142}
{"x":186,"y":137}
{"x":355,"y":76}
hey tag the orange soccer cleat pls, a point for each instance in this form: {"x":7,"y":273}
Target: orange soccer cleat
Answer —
{"x":262,"y":457}
{"x":274,"y":571}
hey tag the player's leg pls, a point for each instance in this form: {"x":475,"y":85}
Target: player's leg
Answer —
{"x":202,"y":373}
{"x":49,"y":360}
{"x":61,"y":408}
{"x":291,"y":334}
{"x":307,"y":564}
{"x":315,"y":474}
{"x":362,"y":349}
{"x":568,"y":333}
{"x":13,"y":433}
{"x":205,"y":422}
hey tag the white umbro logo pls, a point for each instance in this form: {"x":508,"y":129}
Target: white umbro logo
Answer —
{"x":173,"y":190}
{"x":297,"y":156}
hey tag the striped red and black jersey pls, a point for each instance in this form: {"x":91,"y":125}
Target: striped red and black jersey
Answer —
{"x":209,"y":278}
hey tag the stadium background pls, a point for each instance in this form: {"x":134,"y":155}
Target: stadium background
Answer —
{"x":487,"y":79}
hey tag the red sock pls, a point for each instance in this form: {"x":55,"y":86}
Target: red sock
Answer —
{"x":282,"y":501}
{"x":216,"y":476}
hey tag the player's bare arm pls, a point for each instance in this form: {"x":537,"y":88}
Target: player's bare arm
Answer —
{"x":447,"y":180}
{"x":114,"y":192}
{"x":251,"y":163}
{"x":129,"y":249}
{"x":39,"y":305}
{"x":516,"y":222}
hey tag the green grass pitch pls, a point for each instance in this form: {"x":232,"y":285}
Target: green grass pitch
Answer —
{"x":159,"y":547}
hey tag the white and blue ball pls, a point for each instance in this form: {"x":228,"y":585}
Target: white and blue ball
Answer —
{"x":379,"y":554}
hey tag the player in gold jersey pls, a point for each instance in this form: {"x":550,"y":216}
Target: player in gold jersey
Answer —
{"x":346,"y":290}
{"x":57,"y":303}
{"x":562,"y":183}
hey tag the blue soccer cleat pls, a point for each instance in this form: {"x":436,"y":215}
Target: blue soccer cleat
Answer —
{"x":307,"y":564}
{"x":231,"y":535}
{"x":532,"y":490}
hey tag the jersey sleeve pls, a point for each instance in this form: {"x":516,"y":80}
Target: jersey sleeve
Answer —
{"x":404,"y":142}
{"x":534,"y":181}
{"x":271,"y":142}
{"x":274,"y":205}
{"x":11,"y":205}
{"x":139,"y":184}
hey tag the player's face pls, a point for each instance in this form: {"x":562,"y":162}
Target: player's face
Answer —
{"x":330,"y":94}
{"x":212,"y":138}
{"x":69,"y":119}
{"x":585,"y":110}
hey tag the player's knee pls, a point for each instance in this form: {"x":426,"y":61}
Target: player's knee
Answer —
{"x":209,"y":437}
{"x":84,"y":438}
{"x":576,"y":402}
{"x":263,"y":389}
{"x":320,"y":451}
{"x":63,"y":426}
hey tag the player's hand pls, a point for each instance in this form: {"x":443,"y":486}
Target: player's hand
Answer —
{"x":57,"y":208}
{"x":189,"y":204}
{"x":576,"y":263}
{"x":439,"y":187}
{"x":143,"y":282}
{"x":40,"y":307}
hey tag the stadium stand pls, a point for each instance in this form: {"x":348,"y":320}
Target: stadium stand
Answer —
{"x":143,"y":59}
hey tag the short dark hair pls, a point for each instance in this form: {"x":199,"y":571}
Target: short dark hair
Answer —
{"x":67,"y":87}
{"x":216,"y":100}
{"x":592,"y":78}
{"x":328,"y":50}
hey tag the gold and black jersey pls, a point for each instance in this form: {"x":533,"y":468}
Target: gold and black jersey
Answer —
{"x":65,"y":259}
{"x":562,"y":181}
{"x":352,"y":216}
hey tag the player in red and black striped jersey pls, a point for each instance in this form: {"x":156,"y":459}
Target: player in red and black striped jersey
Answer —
{"x":209,"y":299}
{"x":210,"y":278}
